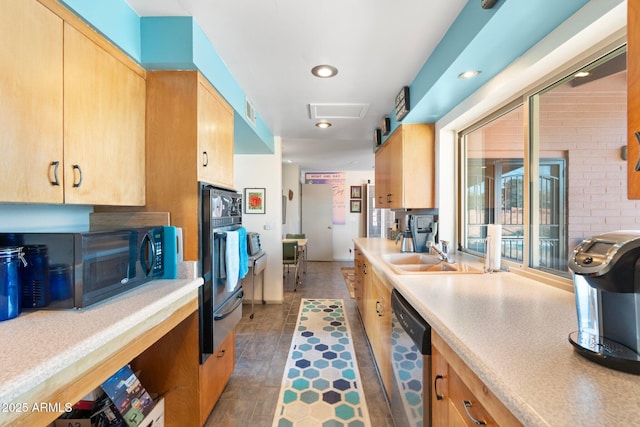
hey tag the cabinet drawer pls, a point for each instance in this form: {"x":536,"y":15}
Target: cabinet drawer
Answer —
{"x":454,"y":383}
{"x":214,"y":375}
{"x":464,"y":408}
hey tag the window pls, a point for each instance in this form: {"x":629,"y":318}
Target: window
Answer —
{"x":571,"y":161}
{"x":494,"y":183}
{"x":583,"y":120}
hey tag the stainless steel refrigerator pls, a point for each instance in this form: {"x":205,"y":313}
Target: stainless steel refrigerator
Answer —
{"x":377,"y":220}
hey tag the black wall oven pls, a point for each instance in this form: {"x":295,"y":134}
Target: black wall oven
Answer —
{"x":220,"y":296}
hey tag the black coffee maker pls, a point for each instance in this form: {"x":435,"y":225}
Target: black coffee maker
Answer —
{"x":424,"y":228}
{"x":606,"y":276}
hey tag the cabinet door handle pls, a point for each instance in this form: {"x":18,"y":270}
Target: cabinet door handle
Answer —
{"x":221,"y":354}
{"x":379,"y":308}
{"x":78,"y":183}
{"x":637,"y":168}
{"x":435,"y":387}
{"x":205,"y":159}
{"x":467,"y":404}
{"x":389,"y":198}
{"x":55,"y":165}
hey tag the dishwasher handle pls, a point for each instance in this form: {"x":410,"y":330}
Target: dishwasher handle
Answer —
{"x":413,"y":324}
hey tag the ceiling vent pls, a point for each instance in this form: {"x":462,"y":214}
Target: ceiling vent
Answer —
{"x":337,"y":111}
{"x":250,"y":112}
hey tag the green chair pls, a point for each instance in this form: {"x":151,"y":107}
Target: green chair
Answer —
{"x":303,"y":250}
{"x":290,"y":258}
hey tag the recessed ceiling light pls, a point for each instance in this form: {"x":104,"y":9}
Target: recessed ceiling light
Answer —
{"x":323,"y":125}
{"x":581,"y":74}
{"x":324,"y":71}
{"x":468,"y":74}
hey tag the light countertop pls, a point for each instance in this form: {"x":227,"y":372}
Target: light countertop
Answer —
{"x":44,"y":350}
{"x":513,"y":332}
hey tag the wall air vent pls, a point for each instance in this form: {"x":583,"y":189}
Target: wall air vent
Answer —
{"x":250,"y":112}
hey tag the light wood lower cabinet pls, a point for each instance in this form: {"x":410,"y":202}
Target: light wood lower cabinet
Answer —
{"x":214,"y":375}
{"x":373,"y":294}
{"x":458,"y":396}
{"x":361,"y":278}
{"x":171,"y":367}
{"x":378,"y":314}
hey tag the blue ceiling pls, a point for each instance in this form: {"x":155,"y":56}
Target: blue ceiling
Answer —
{"x":487,"y":40}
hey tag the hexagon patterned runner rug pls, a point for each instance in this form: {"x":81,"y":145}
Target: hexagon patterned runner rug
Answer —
{"x":321,"y":385}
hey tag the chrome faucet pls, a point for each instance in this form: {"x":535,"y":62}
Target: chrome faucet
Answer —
{"x":432,"y":247}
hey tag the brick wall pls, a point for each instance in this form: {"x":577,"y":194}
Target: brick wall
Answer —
{"x":587,"y":124}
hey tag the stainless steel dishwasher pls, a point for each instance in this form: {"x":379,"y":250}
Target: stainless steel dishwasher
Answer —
{"x":410,"y":400}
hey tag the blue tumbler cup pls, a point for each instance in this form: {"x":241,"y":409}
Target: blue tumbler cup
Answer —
{"x":60,"y":281}
{"x":10,"y":261}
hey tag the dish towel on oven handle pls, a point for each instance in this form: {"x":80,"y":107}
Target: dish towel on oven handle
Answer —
{"x":244,"y":255}
{"x":232,"y":260}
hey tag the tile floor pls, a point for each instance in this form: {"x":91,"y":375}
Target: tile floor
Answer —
{"x":262,"y":346}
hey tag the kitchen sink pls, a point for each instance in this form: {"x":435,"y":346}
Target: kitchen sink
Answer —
{"x":417,"y":263}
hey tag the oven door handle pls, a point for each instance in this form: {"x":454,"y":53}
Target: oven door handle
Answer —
{"x":224,"y":315}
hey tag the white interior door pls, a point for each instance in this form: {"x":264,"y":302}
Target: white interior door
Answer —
{"x":317,"y":220}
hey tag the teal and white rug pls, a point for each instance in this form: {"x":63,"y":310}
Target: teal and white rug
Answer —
{"x":321,"y":385}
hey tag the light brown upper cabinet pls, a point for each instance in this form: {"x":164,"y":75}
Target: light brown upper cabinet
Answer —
{"x":30,"y":103}
{"x":71,"y":111}
{"x":104,"y":134}
{"x":405,"y":168}
{"x":633,"y":96}
{"x":189,"y":139}
{"x":215,"y":137}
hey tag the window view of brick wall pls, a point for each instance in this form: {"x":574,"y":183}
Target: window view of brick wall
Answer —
{"x":588,"y":123}
{"x":578,"y":134}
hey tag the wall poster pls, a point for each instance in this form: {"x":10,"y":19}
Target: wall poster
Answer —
{"x":337,"y":180}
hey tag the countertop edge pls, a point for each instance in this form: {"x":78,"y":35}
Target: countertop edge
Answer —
{"x":513,"y":402}
{"x":45,"y":380}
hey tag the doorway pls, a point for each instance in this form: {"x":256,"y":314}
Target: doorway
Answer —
{"x":317,"y":220}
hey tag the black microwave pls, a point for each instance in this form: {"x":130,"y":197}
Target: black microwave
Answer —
{"x":83,"y":268}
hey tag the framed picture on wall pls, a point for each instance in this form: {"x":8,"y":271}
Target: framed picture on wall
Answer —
{"x":254,"y":200}
{"x":356,"y":206}
{"x":356,"y":192}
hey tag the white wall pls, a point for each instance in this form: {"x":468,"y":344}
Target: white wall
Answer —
{"x":343,"y":234}
{"x":264,"y":171}
{"x":291,"y":181}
